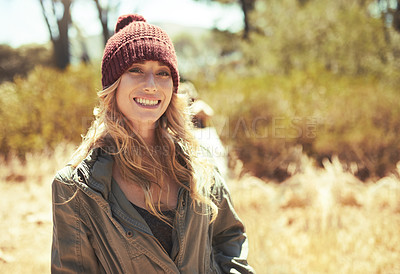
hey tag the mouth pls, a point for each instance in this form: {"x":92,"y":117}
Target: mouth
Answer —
{"x":147,"y":102}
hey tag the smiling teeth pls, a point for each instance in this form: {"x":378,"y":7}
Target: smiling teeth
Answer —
{"x":146,"y":102}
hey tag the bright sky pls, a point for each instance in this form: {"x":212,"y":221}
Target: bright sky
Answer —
{"x":21,"y":21}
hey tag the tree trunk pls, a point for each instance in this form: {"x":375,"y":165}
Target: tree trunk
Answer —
{"x":245,"y":10}
{"x":103,"y":16}
{"x":396,"y":17}
{"x":62,"y":50}
{"x":59,"y":40}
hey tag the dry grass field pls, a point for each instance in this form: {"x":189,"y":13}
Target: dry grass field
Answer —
{"x":319,"y":221}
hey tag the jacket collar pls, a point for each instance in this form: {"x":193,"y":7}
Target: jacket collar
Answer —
{"x":95,"y":172}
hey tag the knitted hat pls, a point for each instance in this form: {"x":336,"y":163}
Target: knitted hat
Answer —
{"x":136,"y":40}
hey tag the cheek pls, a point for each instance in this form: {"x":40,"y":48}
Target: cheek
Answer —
{"x":123,"y":89}
{"x":168,"y":88}
{"x":122,"y":100}
{"x":168,"y":97}
{"x":118,"y":97}
{"x":166,"y":84}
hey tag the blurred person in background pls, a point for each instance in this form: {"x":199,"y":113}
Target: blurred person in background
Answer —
{"x":138,"y":197}
{"x":204,"y":131}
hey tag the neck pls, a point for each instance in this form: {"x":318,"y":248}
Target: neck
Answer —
{"x":146,"y":132}
{"x":148,"y":139}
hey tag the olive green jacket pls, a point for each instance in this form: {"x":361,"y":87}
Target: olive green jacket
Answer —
{"x":97,"y":230}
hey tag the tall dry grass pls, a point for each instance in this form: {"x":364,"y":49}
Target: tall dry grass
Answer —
{"x":26,"y":225}
{"x":321,"y":220}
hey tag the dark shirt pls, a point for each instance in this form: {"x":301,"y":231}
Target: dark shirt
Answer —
{"x":161,"y":230}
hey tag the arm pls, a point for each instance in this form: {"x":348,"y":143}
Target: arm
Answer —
{"x":230,"y":242}
{"x":71,"y":250}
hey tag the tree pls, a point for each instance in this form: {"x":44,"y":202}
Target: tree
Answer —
{"x":104,"y":11}
{"x":390,"y":12}
{"x":57,"y":15}
{"x":396,"y":17}
{"x":19,"y":61}
{"x":247,"y":7}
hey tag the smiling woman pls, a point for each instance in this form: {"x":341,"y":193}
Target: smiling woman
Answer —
{"x":143,"y":95}
{"x":139,"y":195}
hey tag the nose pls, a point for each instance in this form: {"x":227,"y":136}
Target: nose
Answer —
{"x":150,"y":85}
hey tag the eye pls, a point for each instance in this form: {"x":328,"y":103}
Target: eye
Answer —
{"x":164,"y":73}
{"x":135,"y":70}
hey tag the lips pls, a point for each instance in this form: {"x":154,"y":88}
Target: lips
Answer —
{"x":146,"y":102}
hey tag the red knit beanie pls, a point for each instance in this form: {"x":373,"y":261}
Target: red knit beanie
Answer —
{"x":136,"y":40}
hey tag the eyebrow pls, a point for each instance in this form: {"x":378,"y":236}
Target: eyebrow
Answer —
{"x":159,"y":62}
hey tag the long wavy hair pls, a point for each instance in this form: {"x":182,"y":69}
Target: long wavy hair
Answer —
{"x":175,"y":154}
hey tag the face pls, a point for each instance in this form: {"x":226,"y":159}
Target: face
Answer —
{"x":144,"y":93}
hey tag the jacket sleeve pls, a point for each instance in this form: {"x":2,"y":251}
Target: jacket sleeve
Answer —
{"x":230,"y":242}
{"x":71,"y":250}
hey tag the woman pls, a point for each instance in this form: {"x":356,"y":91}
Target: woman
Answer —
{"x":139,"y":196}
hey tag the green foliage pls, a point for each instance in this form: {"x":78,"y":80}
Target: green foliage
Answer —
{"x":343,"y":36}
{"x":267,"y":120}
{"x":270,"y":117}
{"x":200,"y":53}
{"x":46,"y":108}
{"x":319,"y":77}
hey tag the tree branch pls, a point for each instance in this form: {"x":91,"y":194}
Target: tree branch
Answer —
{"x":47,"y":21}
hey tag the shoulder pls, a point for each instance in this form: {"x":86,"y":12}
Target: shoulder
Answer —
{"x":220,"y":189}
{"x":72,"y":174}
{"x":65,"y":174}
{"x":63,"y":185}
{"x":210,"y":180}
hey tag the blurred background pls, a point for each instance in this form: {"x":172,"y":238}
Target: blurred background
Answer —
{"x":305,"y":98}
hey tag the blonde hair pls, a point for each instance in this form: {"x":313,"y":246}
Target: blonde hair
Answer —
{"x":178,"y":159}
